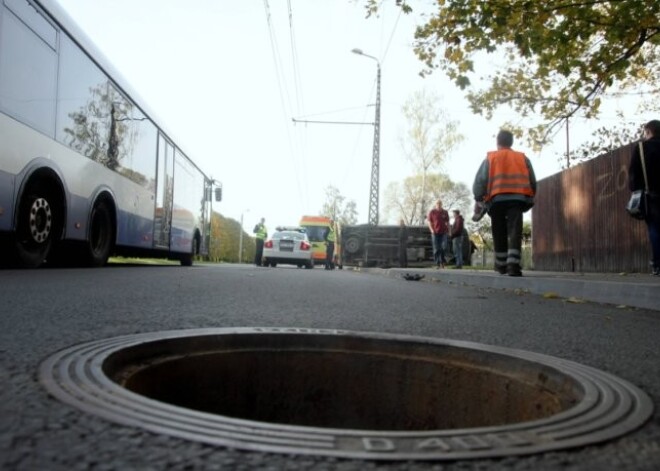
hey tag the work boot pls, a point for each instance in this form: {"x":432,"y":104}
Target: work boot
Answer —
{"x":501,"y":270}
{"x":513,"y":269}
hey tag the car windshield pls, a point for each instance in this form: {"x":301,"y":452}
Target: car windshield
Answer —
{"x":316,"y":233}
{"x":289,"y":235}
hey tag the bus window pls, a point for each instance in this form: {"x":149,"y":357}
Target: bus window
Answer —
{"x":136,"y":139}
{"x":28,"y":71}
{"x":85,"y":98}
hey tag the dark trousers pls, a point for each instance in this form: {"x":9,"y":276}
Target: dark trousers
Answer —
{"x":329,"y":254}
{"x":259,"y":252}
{"x":507,"y":224}
{"x":439,"y":246}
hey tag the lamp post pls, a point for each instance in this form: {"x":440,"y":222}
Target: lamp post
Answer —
{"x":375,"y":158}
{"x":240,"y":238}
{"x":375,"y":161}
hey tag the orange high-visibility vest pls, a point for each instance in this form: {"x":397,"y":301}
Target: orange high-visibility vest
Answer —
{"x":508,"y":173}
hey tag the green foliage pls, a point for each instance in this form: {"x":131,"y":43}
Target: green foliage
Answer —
{"x":554,"y":59}
{"x":225,"y":240}
{"x":605,"y":139}
{"x":337,"y":208}
{"x":481,"y":233}
{"x":527,"y":231}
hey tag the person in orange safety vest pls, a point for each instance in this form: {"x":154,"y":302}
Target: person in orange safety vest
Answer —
{"x":506,"y":183}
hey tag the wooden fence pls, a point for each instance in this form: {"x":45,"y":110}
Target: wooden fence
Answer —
{"x":579,"y":221}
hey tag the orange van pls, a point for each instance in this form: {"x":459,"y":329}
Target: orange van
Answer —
{"x":317,"y":227}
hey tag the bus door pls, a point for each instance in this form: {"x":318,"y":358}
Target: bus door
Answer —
{"x":164,"y":194}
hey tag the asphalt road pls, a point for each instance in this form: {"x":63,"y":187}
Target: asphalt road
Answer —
{"x":46,"y":310}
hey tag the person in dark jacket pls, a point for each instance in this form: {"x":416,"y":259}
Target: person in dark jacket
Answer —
{"x":457,"y":239}
{"x":506,"y":183}
{"x":403,"y":244}
{"x":651,"y":147}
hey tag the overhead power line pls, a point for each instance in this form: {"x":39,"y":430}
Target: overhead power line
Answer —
{"x":329,"y":122}
{"x":284,"y":95}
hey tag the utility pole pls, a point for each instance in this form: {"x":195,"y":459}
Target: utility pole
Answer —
{"x":240,"y":238}
{"x":240,"y":242}
{"x":374,"y":188}
{"x":375,"y":157}
{"x":375,"y":162}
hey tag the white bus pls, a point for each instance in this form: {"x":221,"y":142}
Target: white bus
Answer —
{"x":86,"y":171}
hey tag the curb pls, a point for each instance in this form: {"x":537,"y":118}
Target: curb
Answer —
{"x":637,"y":291}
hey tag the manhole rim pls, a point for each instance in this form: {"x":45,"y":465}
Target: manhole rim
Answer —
{"x":105,"y":398}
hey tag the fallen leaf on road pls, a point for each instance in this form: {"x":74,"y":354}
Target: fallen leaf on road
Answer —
{"x":550,"y":295}
{"x":575,"y":300}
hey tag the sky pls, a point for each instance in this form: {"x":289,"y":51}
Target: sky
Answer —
{"x":228,"y":78}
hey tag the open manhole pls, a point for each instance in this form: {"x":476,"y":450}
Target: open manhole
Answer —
{"x":350,"y":394}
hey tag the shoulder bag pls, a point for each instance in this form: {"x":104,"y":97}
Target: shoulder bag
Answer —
{"x":638,"y":202}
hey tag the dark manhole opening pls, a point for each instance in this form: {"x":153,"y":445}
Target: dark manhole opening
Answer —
{"x":346,"y":393}
{"x":338,"y":382}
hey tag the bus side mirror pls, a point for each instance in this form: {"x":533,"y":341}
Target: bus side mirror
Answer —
{"x":218,"y":193}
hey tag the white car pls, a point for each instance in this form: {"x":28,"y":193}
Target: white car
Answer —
{"x":288,"y":245}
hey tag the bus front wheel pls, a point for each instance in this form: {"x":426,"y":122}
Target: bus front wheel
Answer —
{"x":34,"y":234}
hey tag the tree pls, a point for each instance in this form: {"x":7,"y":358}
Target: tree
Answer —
{"x":337,"y":208}
{"x":559,"y":58}
{"x":431,"y":136}
{"x":482,"y":233}
{"x":225,"y":240}
{"x":605,"y":139}
{"x":404,"y":200}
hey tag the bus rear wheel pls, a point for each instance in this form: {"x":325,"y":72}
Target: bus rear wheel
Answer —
{"x":99,"y":245}
{"x":187,"y":259}
{"x":34,"y":234}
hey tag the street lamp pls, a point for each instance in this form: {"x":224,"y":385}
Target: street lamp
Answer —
{"x":375,"y":158}
{"x":240,"y":238}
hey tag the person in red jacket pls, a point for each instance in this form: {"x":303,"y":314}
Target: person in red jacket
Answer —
{"x":506,"y":183}
{"x":438,"y":222}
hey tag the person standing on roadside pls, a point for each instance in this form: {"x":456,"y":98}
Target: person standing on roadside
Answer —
{"x":438,"y":222}
{"x":457,"y":239}
{"x":260,"y":233}
{"x":651,"y":146}
{"x":330,"y":238}
{"x":403,"y":244}
{"x":506,"y":182}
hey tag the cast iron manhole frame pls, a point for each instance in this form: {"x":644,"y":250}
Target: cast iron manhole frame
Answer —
{"x":611,"y":407}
